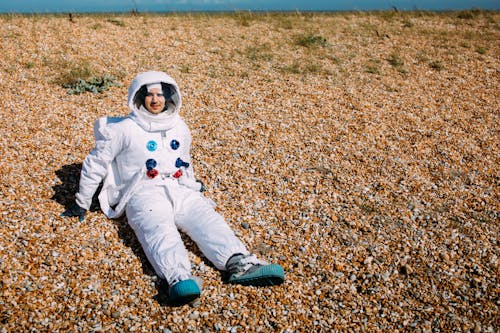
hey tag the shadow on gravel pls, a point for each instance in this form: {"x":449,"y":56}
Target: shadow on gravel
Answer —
{"x":64,"y":194}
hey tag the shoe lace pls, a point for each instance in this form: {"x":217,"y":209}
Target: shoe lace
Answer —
{"x":244,"y":263}
{"x":178,"y":278}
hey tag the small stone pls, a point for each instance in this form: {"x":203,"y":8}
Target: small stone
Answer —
{"x":339,"y":266}
{"x":405,"y":269}
{"x":368,"y":261}
{"x":444,"y":256}
{"x":115,"y":314}
{"x":194,"y":315}
{"x":196,"y":303}
{"x":245,"y":225}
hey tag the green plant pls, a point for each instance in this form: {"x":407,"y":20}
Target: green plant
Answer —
{"x":372,"y":68}
{"x":465,"y":15}
{"x":481,"y":50}
{"x":94,"y":85}
{"x":259,"y":53}
{"x":74,"y":72}
{"x":295,"y":68}
{"x":292,"y":69}
{"x":285,"y":23}
{"x":388,"y":15}
{"x":437,"y":65}
{"x":395,"y":60}
{"x":185,"y":69}
{"x":117,"y":22}
{"x":397,"y":63}
{"x":311,"y":41}
{"x":312,"y":68}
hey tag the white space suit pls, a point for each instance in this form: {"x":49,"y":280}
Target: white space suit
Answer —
{"x":144,"y":160}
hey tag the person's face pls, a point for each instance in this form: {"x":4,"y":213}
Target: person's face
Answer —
{"x":154,"y":101}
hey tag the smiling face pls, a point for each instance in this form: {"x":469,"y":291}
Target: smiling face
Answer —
{"x":154,"y":101}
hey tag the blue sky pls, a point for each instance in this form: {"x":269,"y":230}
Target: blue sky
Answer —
{"x":42,"y":6}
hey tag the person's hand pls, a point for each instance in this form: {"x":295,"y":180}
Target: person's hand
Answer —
{"x":202,"y":186}
{"x":75,"y":210}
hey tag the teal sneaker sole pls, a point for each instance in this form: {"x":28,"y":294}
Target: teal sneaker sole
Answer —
{"x":269,"y":275}
{"x":183,"y":292}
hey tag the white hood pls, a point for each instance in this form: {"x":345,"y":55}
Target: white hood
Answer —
{"x":149,"y":121}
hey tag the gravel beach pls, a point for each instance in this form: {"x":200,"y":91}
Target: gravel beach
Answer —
{"x":358,"y":150}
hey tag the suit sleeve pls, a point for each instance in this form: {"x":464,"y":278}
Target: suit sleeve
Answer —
{"x":95,"y":165}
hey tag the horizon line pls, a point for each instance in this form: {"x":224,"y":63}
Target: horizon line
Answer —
{"x":229,"y":11}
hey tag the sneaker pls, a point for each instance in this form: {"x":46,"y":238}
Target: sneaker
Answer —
{"x":247,"y":270}
{"x":183,"y":292}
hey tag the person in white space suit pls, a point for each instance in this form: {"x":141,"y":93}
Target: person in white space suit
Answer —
{"x":145,"y":165}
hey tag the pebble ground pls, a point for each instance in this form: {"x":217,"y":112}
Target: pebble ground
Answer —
{"x":358,"y":150}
